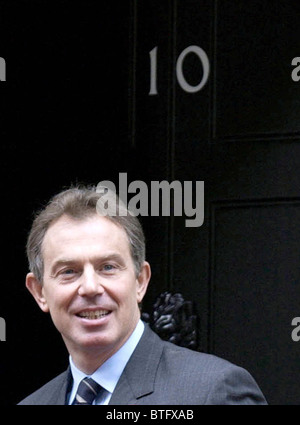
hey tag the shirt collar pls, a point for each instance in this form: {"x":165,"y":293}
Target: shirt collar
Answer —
{"x":108,"y":374}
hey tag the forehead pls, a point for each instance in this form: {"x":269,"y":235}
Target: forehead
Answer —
{"x":95,"y":231}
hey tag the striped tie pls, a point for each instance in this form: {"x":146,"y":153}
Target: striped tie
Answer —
{"x":87,"y":391}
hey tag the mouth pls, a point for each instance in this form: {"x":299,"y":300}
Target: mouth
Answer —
{"x":93,"y":314}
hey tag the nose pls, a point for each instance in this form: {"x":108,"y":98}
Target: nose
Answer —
{"x":90,"y":284}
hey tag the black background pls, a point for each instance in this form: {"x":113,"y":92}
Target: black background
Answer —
{"x":64,"y":120}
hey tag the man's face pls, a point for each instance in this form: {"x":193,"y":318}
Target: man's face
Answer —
{"x":90,"y":286}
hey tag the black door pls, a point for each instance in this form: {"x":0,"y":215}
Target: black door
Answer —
{"x":239,"y":133}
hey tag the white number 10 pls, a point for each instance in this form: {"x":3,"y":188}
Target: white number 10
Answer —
{"x":198,"y":51}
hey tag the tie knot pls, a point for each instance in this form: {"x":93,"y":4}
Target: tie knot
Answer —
{"x":87,"y":391}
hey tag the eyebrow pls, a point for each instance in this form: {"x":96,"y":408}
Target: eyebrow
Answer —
{"x":69,"y":261}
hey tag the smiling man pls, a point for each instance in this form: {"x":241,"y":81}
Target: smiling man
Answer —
{"x":90,"y":287}
{"x":88,"y":270}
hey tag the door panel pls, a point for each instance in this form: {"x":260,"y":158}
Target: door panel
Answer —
{"x":240,"y":134}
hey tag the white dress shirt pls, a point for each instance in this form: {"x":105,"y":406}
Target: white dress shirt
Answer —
{"x":108,"y":374}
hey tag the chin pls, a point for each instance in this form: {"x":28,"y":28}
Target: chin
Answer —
{"x":96,"y":342}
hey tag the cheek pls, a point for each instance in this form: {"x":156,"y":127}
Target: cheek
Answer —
{"x":59,"y":312}
{"x":124,"y":294}
{"x":57,"y":300}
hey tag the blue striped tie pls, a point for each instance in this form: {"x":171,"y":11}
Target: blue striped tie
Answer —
{"x":87,"y":391}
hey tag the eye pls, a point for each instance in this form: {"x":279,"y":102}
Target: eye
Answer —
{"x":67,"y":274}
{"x":68,"y":271}
{"x":109,"y":268}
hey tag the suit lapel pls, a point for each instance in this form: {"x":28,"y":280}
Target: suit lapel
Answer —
{"x":59,"y":396}
{"x":138,"y":377}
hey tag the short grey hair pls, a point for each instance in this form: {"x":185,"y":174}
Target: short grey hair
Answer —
{"x":81,"y":202}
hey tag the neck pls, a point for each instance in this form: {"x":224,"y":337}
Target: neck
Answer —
{"x":88,"y":363}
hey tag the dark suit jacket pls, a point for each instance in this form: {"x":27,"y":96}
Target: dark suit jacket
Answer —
{"x":160,"y":373}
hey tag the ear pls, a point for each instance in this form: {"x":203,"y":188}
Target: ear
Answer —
{"x":143,"y":280}
{"x":36,"y":289}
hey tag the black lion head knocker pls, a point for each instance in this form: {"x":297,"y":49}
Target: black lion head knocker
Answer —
{"x":174,"y":320}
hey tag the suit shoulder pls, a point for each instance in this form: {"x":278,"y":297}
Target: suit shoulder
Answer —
{"x":48,"y":393}
{"x":176,"y":356}
{"x":191,"y":357}
{"x":226,"y":383}
{"x":197,"y":364}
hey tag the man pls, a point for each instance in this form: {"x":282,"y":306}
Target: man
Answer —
{"x":87,"y":269}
